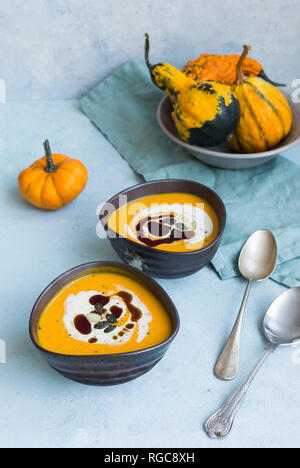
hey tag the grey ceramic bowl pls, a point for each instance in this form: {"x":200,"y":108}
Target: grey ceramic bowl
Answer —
{"x":222,"y":155}
{"x":111,"y":369}
{"x":160,"y":263}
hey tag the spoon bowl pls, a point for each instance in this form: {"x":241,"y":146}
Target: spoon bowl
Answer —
{"x":282,"y":321}
{"x":258,"y":257}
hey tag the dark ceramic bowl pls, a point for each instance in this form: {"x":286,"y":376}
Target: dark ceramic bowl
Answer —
{"x":110,"y":369}
{"x":160,"y":263}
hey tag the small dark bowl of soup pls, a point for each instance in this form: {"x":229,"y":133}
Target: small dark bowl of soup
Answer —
{"x":103,"y":323}
{"x":167,"y":228}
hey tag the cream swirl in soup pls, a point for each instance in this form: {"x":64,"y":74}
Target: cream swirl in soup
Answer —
{"x":112,"y":324}
{"x":165,"y":224}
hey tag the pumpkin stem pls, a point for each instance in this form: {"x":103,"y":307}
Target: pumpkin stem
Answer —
{"x":266,"y":78}
{"x":51,"y":167}
{"x":147,"y":49}
{"x":240,"y":77}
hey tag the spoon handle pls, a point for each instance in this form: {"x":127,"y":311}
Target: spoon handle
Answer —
{"x":220,"y":424}
{"x":227,"y":365}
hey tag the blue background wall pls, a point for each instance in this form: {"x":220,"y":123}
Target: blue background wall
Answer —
{"x":60,"y":48}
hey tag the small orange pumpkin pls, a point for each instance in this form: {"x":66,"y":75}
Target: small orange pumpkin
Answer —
{"x":53,"y":181}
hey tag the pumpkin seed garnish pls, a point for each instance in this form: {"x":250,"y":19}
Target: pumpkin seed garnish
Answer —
{"x":111,"y":318}
{"x":169,"y":221}
{"x":93,"y":317}
{"x":110,"y":328}
{"x":99,"y":308}
{"x":181,"y":226}
{"x":101,"y":325}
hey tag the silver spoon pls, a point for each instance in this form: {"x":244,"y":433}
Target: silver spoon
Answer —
{"x":256,"y":263}
{"x":281,"y":327}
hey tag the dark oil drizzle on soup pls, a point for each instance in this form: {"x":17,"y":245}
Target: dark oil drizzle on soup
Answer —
{"x":160,"y":226}
{"x":93,"y":340}
{"x":99,"y":299}
{"x":136,"y":314}
{"x":116,"y":311}
{"x":84,"y":327}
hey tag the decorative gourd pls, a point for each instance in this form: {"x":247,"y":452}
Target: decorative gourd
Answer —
{"x":266,"y":117}
{"x":205,"y":113}
{"x":53,"y":181}
{"x":223,"y":68}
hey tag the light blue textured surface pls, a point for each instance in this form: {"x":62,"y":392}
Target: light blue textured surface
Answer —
{"x":168,"y":406}
{"x":62,"y":48}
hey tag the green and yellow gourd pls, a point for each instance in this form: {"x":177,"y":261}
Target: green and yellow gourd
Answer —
{"x":205,"y":113}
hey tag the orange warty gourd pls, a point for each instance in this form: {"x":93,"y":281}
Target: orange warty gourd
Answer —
{"x":223,"y":68}
{"x":266,"y":117}
{"x":53,"y":181}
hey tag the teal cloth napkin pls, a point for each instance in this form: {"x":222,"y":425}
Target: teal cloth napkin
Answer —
{"x":124,"y":108}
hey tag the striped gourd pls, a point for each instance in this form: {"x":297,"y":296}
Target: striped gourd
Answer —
{"x":266,"y":117}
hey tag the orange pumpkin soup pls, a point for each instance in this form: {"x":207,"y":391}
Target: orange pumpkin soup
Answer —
{"x":176,"y":222}
{"x":103,"y":313}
